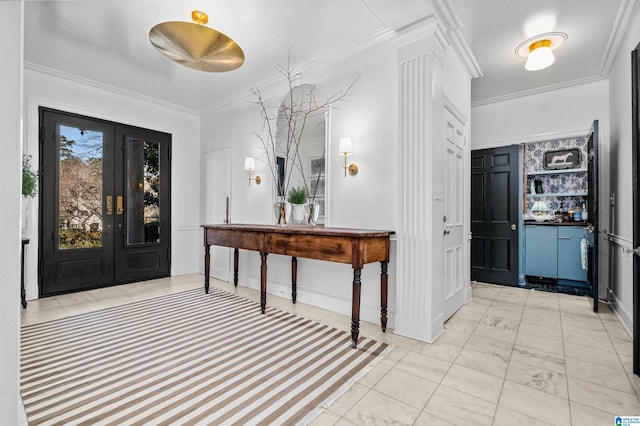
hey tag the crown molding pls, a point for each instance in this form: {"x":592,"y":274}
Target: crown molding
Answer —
{"x":113,"y":89}
{"x":627,"y":11}
{"x":538,"y":90}
{"x":445,"y":24}
{"x":447,"y":14}
{"x":335,"y":54}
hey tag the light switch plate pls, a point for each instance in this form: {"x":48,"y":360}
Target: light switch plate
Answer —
{"x":439,"y":190}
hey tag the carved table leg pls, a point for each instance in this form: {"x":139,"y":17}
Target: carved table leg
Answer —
{"x":263,"y":282}
{"x":355,"y":307}
{"x":294,"y":278}
{"x":235,"y":267}
{"x":384,"y":285}
{"x":207,"y":267}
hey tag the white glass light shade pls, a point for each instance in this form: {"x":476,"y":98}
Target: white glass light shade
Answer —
{"x":540,"y":56}
{"x":346,"y":146}
{"x":540,"y":206}
{"x":249,"y":164}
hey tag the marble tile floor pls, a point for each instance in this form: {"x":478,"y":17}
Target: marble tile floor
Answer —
{"x":510,"y":356}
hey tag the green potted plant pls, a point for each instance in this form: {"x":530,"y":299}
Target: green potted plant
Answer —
{"x":29,"y":178}
{"x":29,"y":190}
{"x":297,"y":196}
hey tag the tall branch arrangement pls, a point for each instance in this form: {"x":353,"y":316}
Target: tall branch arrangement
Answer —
{"x":283,"y":126}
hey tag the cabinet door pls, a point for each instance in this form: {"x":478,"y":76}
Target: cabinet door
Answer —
{"x":541,"y":251}
{"x":569,"y":254}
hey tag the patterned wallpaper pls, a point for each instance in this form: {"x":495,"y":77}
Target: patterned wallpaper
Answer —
{"x":556,"y":182}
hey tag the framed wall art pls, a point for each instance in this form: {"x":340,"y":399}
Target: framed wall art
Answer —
{"x":562,"y":159}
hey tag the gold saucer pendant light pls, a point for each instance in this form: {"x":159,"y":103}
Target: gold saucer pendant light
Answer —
{"x":195,"y":45}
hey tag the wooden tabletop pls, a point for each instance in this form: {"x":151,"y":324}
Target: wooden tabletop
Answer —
{"x":303,"y":230}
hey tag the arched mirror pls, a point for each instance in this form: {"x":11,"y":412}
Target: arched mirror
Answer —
{"x":301,"y":146}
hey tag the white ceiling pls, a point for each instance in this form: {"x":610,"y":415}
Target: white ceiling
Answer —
{"x":494,"y":28}
{"x":106,"y":42}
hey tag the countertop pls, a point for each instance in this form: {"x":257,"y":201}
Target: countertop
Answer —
{"x":546,"y":223}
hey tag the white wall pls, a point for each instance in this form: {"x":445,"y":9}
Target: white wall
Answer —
{"x":540,"y":117}
{"x":53,"y":91}
{"x":10,"y":129}
{"x":366,"y":200}
{"x":621,"y":173}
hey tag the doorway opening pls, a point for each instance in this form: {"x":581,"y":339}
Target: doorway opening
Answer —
{"x":547,"y":216}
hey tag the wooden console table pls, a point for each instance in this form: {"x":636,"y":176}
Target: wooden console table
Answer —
{"x":352,"y":246}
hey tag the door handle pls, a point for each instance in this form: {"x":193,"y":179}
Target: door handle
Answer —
{"x":513,"y":226}
{"x":119,"y":203}
{"x":447,"y":232}
{"x":109,"y":204}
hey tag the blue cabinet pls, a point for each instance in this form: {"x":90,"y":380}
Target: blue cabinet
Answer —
{"x":541,"y":251}
{"x":569,"y":254}
{"x":554,"y":252}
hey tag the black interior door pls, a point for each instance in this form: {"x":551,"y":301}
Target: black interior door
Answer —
{"x":104,"y":203}
{"x":494,"y":215}
{"x":592,"y":208}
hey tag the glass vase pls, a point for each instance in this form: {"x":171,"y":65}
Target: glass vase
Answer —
{"x":281,"y":211}
{"x":312,"y":211}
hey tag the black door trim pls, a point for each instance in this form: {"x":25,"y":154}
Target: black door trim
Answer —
{"x":635,"y":120}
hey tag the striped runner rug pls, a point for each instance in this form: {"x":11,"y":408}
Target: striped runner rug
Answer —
{"x":186,"y":358}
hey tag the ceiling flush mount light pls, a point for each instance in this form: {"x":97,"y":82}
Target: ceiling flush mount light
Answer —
{"x":195,"y":45}
{"x":539,"y":50}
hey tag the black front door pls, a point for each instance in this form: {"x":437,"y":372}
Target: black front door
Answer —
{"x":104,"y":203}
{"x":494,"y":215}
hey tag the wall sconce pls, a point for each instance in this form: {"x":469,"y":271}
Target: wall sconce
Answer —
{"x":346,"y":148}
{"x":538,"y":50}
{"x":250,"y":165}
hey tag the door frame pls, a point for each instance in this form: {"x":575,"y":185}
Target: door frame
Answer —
{"x":141,"y":268}
{"x":635,"y":131}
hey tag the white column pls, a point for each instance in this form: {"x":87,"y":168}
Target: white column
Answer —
{"x":420,"y":271}
{"x":11,"y":194}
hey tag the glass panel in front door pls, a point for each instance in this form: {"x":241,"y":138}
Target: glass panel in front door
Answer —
{"x":142,"y":180}
{"x":80,"y":188}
